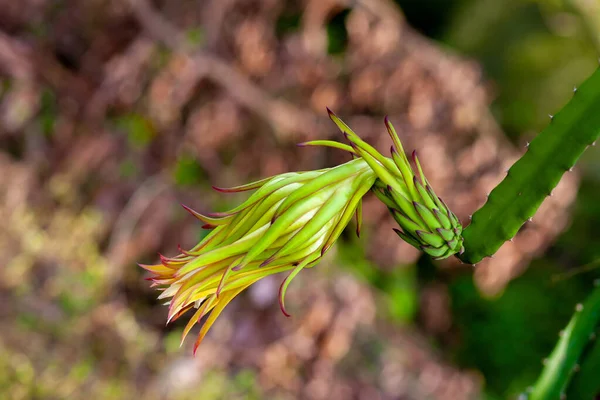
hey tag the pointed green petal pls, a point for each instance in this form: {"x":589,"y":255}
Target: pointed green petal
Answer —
{"x":442,"y":218}
{"x":283,"y":223}
{"x":284,"y":285}
{"x":331,"y":177}
{"x":328,"y":143}
{"x":407,"y":224}
{"x":431,"y":239}
{"x":424,"y":195}
{"x":435,"y":252}
{"x":407,"y":238}
{"x":223,"y":301}
{"x":243,"y":188}
{"x":427,"y":216}
{"x":395,"y":139}
{"x":446,"y":234}
{"x":405,"y":171}
{"x":358,"y":217}
{"x":325,"y":214}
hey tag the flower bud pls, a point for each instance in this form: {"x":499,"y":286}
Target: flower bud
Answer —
{"x":288,"y":224}
{"x":425,"y":220}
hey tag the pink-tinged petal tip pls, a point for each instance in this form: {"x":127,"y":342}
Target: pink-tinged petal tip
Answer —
{"x":220,"y":189}
{"x":267,"y":262}
{"x":281,"y":301}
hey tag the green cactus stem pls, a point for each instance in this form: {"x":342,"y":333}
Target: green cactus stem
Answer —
{"x":531,"y":179}
{"x":565,"y":365}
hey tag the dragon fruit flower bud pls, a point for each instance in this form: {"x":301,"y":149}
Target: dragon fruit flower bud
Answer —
{"x":425,"y":220}
{"x":287,"y":224}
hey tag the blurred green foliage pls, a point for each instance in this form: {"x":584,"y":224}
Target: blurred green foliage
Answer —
{"x":188,"y":172}
{"x":508,"y":336}
{"x":337,"y":36}
{"x":139,"y":129}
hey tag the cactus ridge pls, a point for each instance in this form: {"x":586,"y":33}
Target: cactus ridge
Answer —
{"x":531,"y":179}
{"x":572,"y":370}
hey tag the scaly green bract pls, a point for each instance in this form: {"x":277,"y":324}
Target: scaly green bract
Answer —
{"x":553,"y":152}
{"x":568,"y":358}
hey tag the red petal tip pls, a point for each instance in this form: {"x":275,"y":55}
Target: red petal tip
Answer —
{"x":196,"y":345}
{"x":281,"y":305}
{"x":267,"y":262}
{"x":219,"y":189}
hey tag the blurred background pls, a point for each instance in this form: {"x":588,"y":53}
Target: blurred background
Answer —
{"x":112,"y":112}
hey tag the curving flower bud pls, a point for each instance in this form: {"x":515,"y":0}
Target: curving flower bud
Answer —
{"x":426,"y":221}
{"x":286,"y":225}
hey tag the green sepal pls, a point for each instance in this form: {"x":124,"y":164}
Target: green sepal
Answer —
{"x":428,"y":202}
{"x":407,"y":224}
{"x":430,"y":239}
{"x":446,"y":234}
{"x":426,"y":215}
{"x":440,"y":252}
{"x":408,"y":238}
{"x":443,"y":219}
